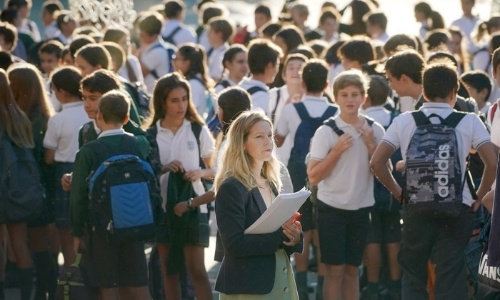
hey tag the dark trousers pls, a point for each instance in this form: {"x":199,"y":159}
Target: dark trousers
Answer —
{"x":443,"y":242}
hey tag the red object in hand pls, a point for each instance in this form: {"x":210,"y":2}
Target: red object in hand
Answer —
{"x":297,"y":217}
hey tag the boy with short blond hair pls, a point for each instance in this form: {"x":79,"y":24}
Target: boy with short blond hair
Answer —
{"x":339,"y":165}
{"x":118,"y":267}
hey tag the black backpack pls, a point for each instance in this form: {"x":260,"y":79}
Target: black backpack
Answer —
{"x":123,"y":192}
{"x":20,"y":186}
{"x":141,"y":98}
{"x":432,"y":179}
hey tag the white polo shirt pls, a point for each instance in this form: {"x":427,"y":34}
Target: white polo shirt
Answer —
{"x":350,"y":184}
{"x":470,"y":132}
{"x":273,"y":99}
{"x":136,"y":67}
{"x":199,"y":95}
{"x":379,"y":114}
{"x":155,"y":58}
{"x":215,"y":61}
{"x":62,"y":131}
{"x":260,"y":99}
{"x":184,"y":35}
{"x":287,"y":127}
{"x":219,"y":87}
{"x":183,"y":147}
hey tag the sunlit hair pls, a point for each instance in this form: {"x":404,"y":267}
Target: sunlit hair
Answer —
{"x":162,"y":89}
{"x":13,"y":121}
{"x":28,"y":89}
{"x":235,"y":161}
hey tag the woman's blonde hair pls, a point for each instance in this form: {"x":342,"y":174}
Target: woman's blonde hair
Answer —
{"x":235,"y":161}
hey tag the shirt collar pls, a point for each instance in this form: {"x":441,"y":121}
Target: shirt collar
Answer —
{"x":111,"y":132}
{"x":314,"y":98}
{"x":436,"y":105}
{"x":71,"y":104}
{"x":160,"y":128}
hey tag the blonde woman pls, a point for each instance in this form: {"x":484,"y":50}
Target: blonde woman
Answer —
{"x":254,"y":266}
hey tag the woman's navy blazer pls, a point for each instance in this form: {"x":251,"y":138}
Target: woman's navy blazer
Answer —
{"x":249,"y":262}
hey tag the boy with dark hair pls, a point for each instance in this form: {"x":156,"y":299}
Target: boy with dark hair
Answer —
{"x":50,"y":54}
{"x":357,"y":52}
{"x":8,"y":37}
{"x":404,"y":73}
{"x":66,"y":25}
{"x":478,"y":85}
{"x":220,"y":31}
{"x":339,"y":166}
{"x":302,"y":120}
{"x":174,"y":31}
{"x":50,"y":10}
{"x":376,"y":26}
{"x":115,"y":268}
{"x":329,"y":22}
{"x":434,"y":229}
{"x":385,"y":227}
{"x":27,"y":26}
{"x":154,"y":55}
{"x":263,"y":62}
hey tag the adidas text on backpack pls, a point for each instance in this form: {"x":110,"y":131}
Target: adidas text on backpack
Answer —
{"x":122,"y":191}
{"x":432,"y":179}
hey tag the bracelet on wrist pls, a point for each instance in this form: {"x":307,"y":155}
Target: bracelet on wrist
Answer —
{"x":190,"y":203}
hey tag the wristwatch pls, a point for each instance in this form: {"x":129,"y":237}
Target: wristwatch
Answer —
{"x":189,"y":202}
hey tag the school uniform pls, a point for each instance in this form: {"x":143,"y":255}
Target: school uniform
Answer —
{"x":219,"y":87}
{"x":260,"y":99}
{"x":345,"y":195}
{"x":183,"y":147}
{"x":182,"y":36}
{"x":215,"y":56}
{"x":135,"y":65}
{"x":198,"y":94}
{"x":109,"y":265}
{"x":277,"y":100}
{"x":253,"y":264}
{"x":62,"y":136}
{"x":155,"y":58}
{"x":442,"y":240}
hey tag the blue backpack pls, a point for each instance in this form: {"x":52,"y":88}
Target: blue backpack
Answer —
{"x":170,"y":52}
{"x":302,"y":142}
{"x":122,"y":192}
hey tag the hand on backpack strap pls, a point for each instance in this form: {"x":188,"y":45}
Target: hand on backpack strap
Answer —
{"x":368,"y":137}
{"x":344,"y":142}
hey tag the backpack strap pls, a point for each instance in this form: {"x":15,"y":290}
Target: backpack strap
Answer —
{"x":170,"y":38}
{"x":103,"y":151}
{"x":224,"y":83}
{"x":329,"y":112}
{"x":255,"y":89}
{"x":196,"y":129}
{"x":420,"y":118}
{"x":278,"y":99}
{"x":302,"y":110}
{"x":370,"y":121}
{"x":333,"y":125}
{"x":454,"y":118}
{"x":209,"y":52}
{"x":170,"y":52}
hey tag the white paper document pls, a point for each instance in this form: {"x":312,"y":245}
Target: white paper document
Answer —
{"x":282,"y":208}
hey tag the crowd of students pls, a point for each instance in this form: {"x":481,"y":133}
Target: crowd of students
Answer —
{"x":255,"y":114}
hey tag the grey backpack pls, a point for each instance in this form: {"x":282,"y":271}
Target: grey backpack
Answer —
{"x":432,"y":179}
